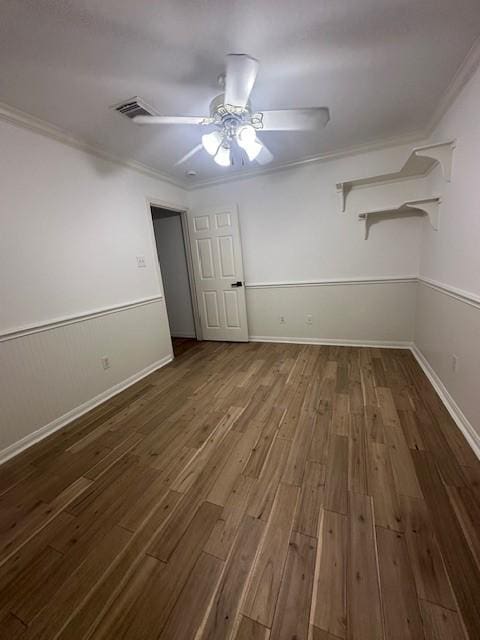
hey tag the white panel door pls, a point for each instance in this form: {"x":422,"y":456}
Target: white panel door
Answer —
{"x":218,"y":268}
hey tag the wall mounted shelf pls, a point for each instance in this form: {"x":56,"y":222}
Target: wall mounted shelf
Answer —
{"x":420,"y":161}
{"x":428,"y":206}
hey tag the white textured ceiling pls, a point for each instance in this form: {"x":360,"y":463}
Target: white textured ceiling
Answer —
{"x":380,"y":65}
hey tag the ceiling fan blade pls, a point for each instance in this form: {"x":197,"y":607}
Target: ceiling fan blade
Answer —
{"x":295,"y":119}
{"x":265,"y":156}
{"x":171,"y":120}
{"x":189,"y":155}
{"x":241,"y":71}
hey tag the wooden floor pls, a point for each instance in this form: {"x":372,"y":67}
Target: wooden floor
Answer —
{"x":249,"y":491}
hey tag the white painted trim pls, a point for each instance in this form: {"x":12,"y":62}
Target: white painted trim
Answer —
{"x":335,"y":342}
{"x":75,"y":413}
{"x":27,"y":121}
{"x":179,"y":334}
{"x":377,"y":145}
{"x":183,"y":213}
{"x":458,"y":294}
{"x":463,"y":74}
{"x":465,"y":426}
{"x":20,"y":332}
{"x":330,"y":282}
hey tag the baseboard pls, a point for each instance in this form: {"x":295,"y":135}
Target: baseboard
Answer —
{"x":465,"y":426}
{"x":179,"y":334}
{"x":60,"y":422}
{"x":334,"y":342}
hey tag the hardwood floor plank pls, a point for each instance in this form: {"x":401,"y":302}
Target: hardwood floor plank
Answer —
{"x":441,"y":624}
{"x":169,"y":537}
{"x":295,"y":467}
{"x":30,"y":593}
{"x":357,"y":456}
{"x":403,"y":468}
{"x":264,"y":490}
{"x":336,"y":481}
{"x":341,"y":414}
{"x":459,"y":560}
{"x":329,"y":605}
{"x":311,"y":500}
{"x":382,"y":488}
{"x":259,"y":454}
{"x":223,"y":535}
{"x":430,"y":576}
{"x":397,"y":586}
{"x":467,"y":510}
{"x":52,"y":618}
{"x":364,"y":607}
{"x":154,"y":602}
{"x":116,"y":583}
{"x":225,"y":607}
{"x":194,"y":599}
{"x":251,"y":630}
{"x":264,"y":585}
{"x":293,"y":608}
{"x":11,"y":628}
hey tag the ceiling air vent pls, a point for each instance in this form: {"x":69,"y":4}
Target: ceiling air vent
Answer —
{"x":134,"y":107}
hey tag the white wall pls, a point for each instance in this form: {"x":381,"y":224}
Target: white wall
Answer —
{"x":448,"y":316}
{"x":173,"y":266}
{"x":71,"y":226}
{"x":291,"y":231}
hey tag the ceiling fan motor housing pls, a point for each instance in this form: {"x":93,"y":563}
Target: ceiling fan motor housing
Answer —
{"x":230,"y":117}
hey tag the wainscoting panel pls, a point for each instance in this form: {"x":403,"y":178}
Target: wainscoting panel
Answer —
{"x":348,"y":312}
{"x":447,"y":335}
{"x":51,"y":375}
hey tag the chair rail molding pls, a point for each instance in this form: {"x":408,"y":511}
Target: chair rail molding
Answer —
{"x":332,"y":282}
{"x":47,"y":325}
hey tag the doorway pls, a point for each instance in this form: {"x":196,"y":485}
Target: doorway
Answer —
{"x":170,"y":233}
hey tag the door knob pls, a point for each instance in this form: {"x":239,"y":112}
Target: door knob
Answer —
{"x":237,"y":284}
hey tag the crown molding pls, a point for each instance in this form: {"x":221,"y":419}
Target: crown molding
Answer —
{"x":378,"y":145}
{"x":27,"y":121}
{"x":465,"y":71}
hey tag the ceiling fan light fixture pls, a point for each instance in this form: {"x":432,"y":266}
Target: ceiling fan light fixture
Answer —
{"x":222,"y":157}
{"x":212,"y":141}
{"x":247,"y":140}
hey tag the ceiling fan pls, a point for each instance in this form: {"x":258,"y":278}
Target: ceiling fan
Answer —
{"x":235,"y":124}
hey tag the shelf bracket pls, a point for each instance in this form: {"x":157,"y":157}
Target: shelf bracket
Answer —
{"x":428,"y":206}
{"x":441,"y":153}
{"x":341,"y":196}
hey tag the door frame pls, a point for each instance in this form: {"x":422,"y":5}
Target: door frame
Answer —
{"x":183,"y":212}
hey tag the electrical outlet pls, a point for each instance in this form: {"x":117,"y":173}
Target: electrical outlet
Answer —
{"x":282,"y":320}
{"x":141,"y":262}
{"x":309,"y":318}
{"x":454,"y":363}
{"x":105,"y":362}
